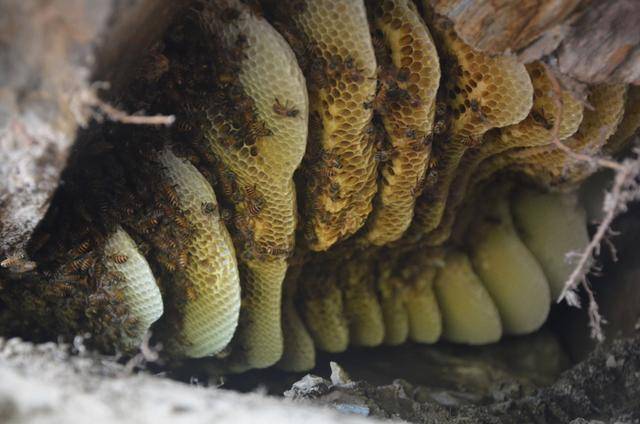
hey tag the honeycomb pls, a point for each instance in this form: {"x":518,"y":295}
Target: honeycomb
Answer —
{"x":425,"y":318}
{"x":629,"y":124}
{"x":259,"y":173}
{"x":299,"y":351}
{"x":469,"y":314}
{"x":548,"y":165}
{"x":509,"y":271}
{"x":480,"y":93}
{"x":141,"y":295}
{"x":423,"y":312}
{"x":392,"y":303}
{"x":532,"y":212}
{"x":361,"y":307}
{"x":332,"y":42}
{"x":406,"y":94}
{"x":323,"y":311}
{"x":534,"y":130}
{"x":209,"y":318}
{"x":100,"y":285}
{"x":400,"y":237}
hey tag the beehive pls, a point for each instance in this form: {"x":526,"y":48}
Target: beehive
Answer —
{"x":334,"y":102}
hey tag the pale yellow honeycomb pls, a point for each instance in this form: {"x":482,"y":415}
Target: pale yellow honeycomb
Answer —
{"x":209,"y":319}
{"x":322,"y":307}
{"x":264,"y":200}
{"x":299,"y":351}
{"x":425,"y":318}
{"x":479,"y":93}
{"x":340,"y":168}
{"x":408,"y":94}
{"x":550,"y":166}
{"x":392,"y":302}
{"x":628,"y":126}
{"x":469,"y":314}
{"x":141,"y":295}
{"x":361,"y":307}
{"x":535,"y":130}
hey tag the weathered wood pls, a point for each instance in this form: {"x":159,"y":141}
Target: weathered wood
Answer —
{"x":499,"y":26}
{"x":48,"y":53}
{"x":591,"y":41}
{"x":604,"y":44}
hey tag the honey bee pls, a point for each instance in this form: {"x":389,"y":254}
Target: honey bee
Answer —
{"x":396,"y":94}
{"x":411,"y":133}
{"x":11,"y":261}
{"x":284,"y":110}
{"x":379,"y":102}
{"x":144,"y":248}
{"x":228,"y":184}
{"x":419,"y":187}
{"x":379,"y":46}
{"x":183,"y":125}
{"x":190,"y":292}
{"x":335,"y":162}
{"x":171,"y":194}
{"x":226,"y":215}
{"x":208,"y":208}
{"x":540,"y":118}
{"x":325,"y":216}
{"x":183,"y":259}
{"x":166,"y":263}
{"x":258,"y":129}
{"x":247,"y":254}
{"x":474,"y":105}
{"x":225,"y":79}
{"x":254,"y":201}
{"x":237,"y":52}
{"x":309,"y":234}
{"x":119,"y":258}
{"x":334,"y":67}
{"x":275,"y":250}
{"x":181,"y":221}
{"x":334,"y":191}
{"x":243,"y":225}
{"x":440,"y":126}
{"x":353,"y":74}
{"x":81,"y":264}
{"x":326,"y":172}
{"x":383,"y":156}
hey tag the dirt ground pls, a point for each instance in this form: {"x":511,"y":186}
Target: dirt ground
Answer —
{"x":51,"y":383}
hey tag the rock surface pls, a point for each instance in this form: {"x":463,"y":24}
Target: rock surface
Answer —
{"x":45,"y":384}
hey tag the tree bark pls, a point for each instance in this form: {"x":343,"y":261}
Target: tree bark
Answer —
{"x":50,"y":52}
